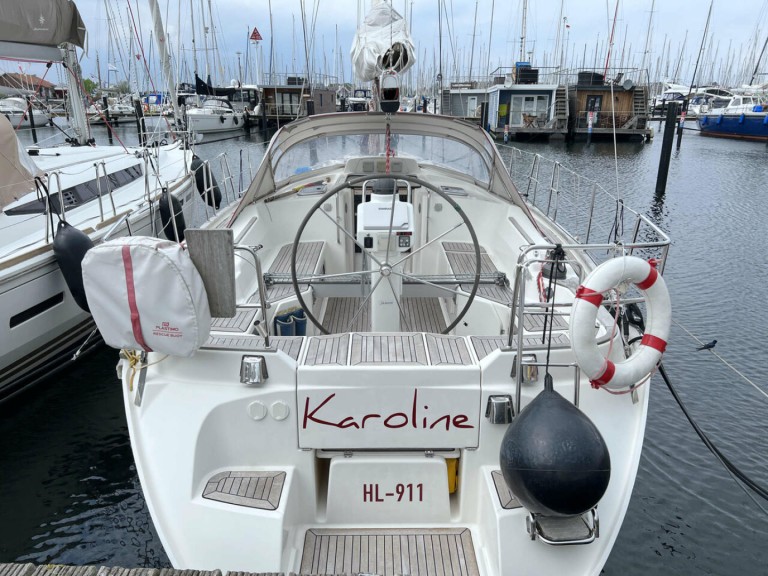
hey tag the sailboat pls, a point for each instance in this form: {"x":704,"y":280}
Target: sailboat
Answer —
{"x":386,"y":360}
{"x":57,"y":202}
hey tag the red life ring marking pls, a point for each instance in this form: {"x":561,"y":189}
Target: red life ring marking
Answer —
{"x":605,"y":377}
{"x":654,"y":342}
{"x":649,"y":281}
{"x":589,"y":295}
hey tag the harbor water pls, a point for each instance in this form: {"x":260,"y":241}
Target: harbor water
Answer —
{"x":69,"y":493}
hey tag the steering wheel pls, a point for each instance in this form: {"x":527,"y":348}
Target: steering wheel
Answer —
{"x":385,"y":268}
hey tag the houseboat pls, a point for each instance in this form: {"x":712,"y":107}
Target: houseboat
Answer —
{"x":600,"y":107}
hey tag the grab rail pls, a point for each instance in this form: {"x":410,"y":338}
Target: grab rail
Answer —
{"x":253,"y":250}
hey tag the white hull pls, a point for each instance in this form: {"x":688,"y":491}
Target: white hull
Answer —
{"x":42,"y":324}
{"x":339,"y":454}
{"x":21,"y":120}
{"x":215,"y":123}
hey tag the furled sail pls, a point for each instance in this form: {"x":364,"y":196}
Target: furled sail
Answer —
{"x":382,"y":43}
{"x":33,"y":29}
{"x":16,"y":166}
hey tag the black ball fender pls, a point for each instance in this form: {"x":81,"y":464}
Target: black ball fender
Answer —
{"x":554,"y":458}
{"x":213,"y":197}
{"x":172,"y":216}
{"x":69,"y":247}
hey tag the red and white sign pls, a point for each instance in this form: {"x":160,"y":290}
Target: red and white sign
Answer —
{"x":255,"y":35}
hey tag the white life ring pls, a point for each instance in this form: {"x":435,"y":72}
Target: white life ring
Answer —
{"x":589,"y":297}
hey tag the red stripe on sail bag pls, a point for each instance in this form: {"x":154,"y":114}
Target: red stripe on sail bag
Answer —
{"x":135,"y":319}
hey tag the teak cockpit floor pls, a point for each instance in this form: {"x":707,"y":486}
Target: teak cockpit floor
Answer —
{"x":418,"y":315}
{"x":390,"y":552}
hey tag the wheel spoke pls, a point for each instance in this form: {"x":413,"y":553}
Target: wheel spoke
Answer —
{"x":306,"y":279}
{"x":363,"y":305}
{"x":428,"y":283}
{"x":435,"y":239}
{"x":397,"y":301}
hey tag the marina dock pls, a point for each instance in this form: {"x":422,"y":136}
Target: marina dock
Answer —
{"x":62,"y":570}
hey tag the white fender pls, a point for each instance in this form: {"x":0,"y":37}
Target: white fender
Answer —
{"x":589,"y":297}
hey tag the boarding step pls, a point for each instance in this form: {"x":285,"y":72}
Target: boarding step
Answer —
{"x":553,"y":530}
{"x":390,"y":552}
{"x":254,"y":489}
{"x":564,"y":531}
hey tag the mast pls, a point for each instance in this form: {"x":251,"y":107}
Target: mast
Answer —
{"x":165,"y":58}
{"x":759,"y":58}
{"x":205,"y":44}
{"x":194,"y":48}
{"x":440,"y":54}
{"x":522,"y":30}
{"x":76,"y":105}
{"x":472,"y":53}
{"x":647,"y":39}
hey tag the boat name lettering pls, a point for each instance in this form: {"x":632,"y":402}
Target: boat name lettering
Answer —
{"x":416,"y":419}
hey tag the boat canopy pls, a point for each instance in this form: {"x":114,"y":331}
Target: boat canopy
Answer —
{"x":317,"y":143}
{"x":34,"y":29}
{"x":18,"y":170}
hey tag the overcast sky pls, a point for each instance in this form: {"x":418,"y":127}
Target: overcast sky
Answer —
{"x":736,"y":35}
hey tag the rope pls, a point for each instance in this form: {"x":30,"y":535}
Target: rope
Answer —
{"x":744,"y":480}
{"x":724,"y":361}
{"x":557,"y":255}
{"x":136,"y":364}
{"x":389,"y":150}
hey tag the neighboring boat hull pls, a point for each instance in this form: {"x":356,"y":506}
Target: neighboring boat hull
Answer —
{"x":737,"y":126}
{"x":42,"y":324}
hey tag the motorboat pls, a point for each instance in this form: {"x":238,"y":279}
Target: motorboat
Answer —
{"x":58,"y":201}
{"x":117,"y":111}
{"x":418,"y":366}
{"x":744,"y":117}
{"x":21,"y":114}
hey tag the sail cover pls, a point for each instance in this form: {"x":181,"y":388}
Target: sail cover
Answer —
{"x":18,"y":170}
{"x":33,"y":29}
{"x":382,"y":43}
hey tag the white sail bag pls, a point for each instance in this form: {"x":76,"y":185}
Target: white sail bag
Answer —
{"x":146,"y":294}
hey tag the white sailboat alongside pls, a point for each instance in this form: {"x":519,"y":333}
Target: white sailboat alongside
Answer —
{"x":437,"y":399}
{"x":87,"y":193}
{"x":214,"y":116}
